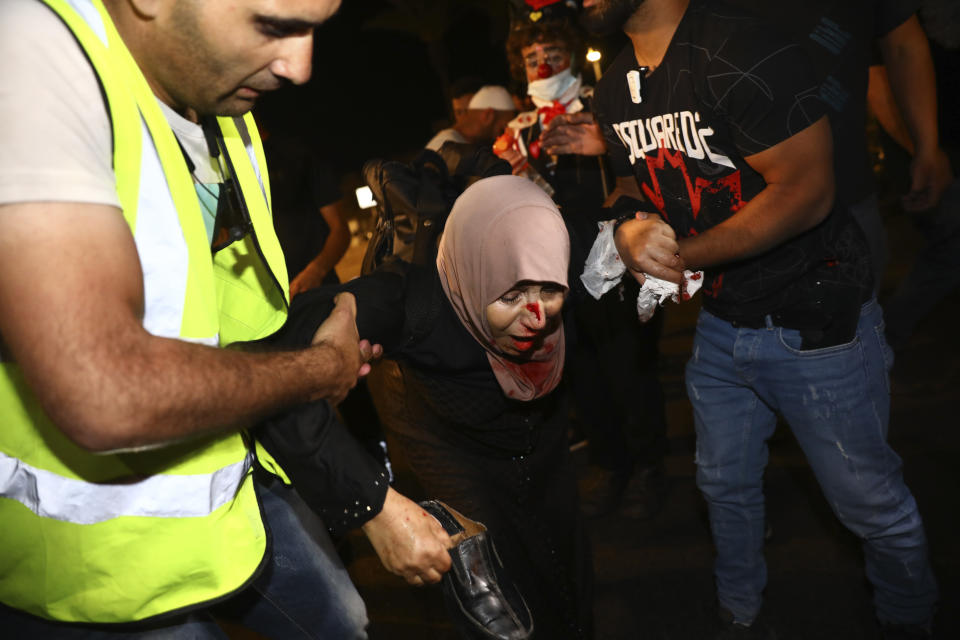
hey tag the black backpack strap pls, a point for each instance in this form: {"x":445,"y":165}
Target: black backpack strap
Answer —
{"x":434,"y":198}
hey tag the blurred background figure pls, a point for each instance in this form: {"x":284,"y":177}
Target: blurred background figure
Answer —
{"x":935,"y":269}
{"x":309,"y":214}
{"x":461,"y":92}
{"x":487,"y":114}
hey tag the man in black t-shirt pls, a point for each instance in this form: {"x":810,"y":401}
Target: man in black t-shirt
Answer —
{"x":716,"y":122}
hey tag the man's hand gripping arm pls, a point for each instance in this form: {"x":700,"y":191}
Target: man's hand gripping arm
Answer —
{"x":71,"y":308}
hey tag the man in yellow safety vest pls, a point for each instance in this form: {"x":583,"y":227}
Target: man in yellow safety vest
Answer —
{"x":136,"y":241}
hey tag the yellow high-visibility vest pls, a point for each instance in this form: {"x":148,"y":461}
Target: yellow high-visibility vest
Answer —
{"x":124,"y":537}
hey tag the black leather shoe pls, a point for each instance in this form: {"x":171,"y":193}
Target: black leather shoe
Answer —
{"x":482,"y":600}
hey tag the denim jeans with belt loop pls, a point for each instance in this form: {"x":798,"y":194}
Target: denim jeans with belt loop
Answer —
{"x":837,"y":402}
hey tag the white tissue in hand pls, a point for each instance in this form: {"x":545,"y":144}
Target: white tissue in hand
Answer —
{"x":656,"y":291}
{"x":603,"y":268}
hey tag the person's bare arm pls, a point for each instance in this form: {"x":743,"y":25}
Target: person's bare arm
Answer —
{"x":798,"y":196}
{"x":884,"y":107}
{"x":333,"y":250}
{"x":906,"y":55}
{"x":409,"y":542}
{"x":577,"y":133}
{"x":71,"y":306}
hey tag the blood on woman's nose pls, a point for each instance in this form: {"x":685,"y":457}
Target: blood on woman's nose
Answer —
{"x":534,"y":308}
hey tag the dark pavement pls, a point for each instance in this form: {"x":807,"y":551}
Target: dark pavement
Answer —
{"x":653,"y":577}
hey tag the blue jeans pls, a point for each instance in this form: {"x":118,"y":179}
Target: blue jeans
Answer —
{"x":837,"y":402}
{"x":303,"y":591}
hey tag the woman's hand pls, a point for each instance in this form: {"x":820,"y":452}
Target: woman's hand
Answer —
{"x":409,"y":541}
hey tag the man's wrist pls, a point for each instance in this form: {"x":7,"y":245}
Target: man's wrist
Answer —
{"x":921,"y":150}
{"x":327,"y":360}
{"x":621,"y":219}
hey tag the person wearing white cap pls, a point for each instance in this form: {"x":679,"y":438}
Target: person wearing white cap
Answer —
{"x":488,"y":113}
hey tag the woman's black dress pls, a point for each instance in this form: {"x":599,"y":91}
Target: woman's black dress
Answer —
{"x":502,"y":462}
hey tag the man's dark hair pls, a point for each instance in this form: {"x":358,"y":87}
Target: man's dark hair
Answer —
{"x":523,"y":34}
{"x":465,"y":85}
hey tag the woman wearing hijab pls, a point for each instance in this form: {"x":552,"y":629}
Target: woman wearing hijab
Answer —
{"x":479,"y":339}
{"x":613,"y":377}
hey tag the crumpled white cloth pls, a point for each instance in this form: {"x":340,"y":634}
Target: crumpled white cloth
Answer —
{"x":604,"y":270}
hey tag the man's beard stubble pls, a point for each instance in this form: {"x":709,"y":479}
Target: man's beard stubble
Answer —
{"x":608,"y":16}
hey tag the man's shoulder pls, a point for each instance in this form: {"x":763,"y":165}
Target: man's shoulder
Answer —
{"x":611,"y":86}
{"x":444,"y":135}
{"x":54,"y":125}
{"x":624,"y":61}
{"x":720,"y":30}
{"x":30,"y":21}
{"x":722,"y":45}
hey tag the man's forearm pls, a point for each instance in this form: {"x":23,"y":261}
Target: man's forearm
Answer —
{"x":906,"y":55}
{"x":162,"y":390}
{"x":884,"y":107}
{"x":78,"y":337}
{"x":798,"y":196}
{"x":775,"y":215}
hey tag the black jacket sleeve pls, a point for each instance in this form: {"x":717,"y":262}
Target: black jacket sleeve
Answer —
{"x":330,"y":469}
{"x":332,"y":472}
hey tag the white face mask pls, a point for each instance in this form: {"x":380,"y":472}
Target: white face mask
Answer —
{"x":552,"y":88}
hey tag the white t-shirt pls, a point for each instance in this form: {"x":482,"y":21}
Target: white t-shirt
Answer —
{"x":443,"y":136}
{"x":207,"y":172}
{"x":55,"y":136}
{"x":55,"y":140}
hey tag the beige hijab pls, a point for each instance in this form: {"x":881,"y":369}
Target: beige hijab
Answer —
{"x":503,"y":230}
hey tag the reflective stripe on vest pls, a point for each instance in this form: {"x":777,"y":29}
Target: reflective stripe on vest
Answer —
{"x":124,"y":537}
{"x":159,"y":496}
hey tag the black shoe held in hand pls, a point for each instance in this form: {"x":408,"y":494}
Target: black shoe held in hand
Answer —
{"x":483,"y":601}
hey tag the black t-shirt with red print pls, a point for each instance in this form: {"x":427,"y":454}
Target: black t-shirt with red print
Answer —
{"x":728,"y":87}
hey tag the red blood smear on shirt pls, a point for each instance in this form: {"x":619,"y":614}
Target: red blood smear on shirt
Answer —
{"x":535,"y":372}
{"x":535,"y":310}
{"x":695,"y":276}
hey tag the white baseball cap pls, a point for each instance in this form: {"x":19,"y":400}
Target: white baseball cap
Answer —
{"x":492,"y":97}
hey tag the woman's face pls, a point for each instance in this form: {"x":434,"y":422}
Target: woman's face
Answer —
{"x":543,"y":59}
{"x":521,"y":318}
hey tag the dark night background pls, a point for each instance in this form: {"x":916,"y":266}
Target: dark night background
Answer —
{"x":381,"y":69}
